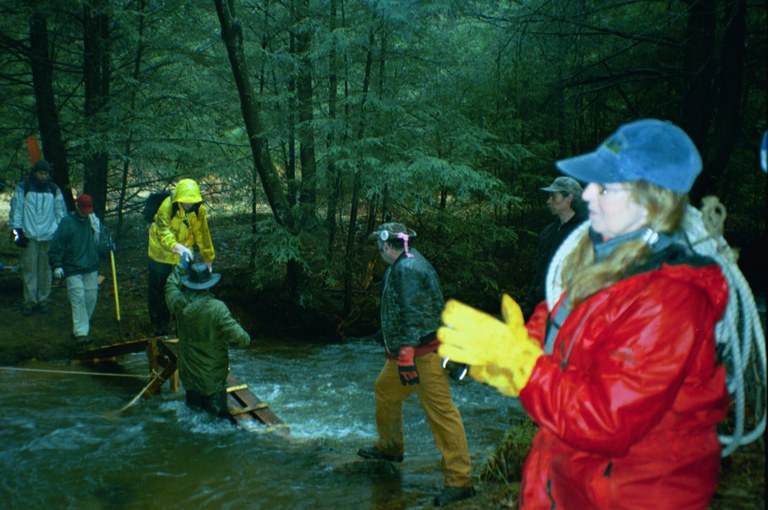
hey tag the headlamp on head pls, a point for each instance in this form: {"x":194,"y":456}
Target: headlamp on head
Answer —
{"x":384,"y":235}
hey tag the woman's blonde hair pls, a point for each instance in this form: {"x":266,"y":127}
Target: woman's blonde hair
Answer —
{"x":582,"y":276}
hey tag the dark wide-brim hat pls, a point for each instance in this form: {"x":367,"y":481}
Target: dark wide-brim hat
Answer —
{"x":199,"y":277}
{"x":390,"y":230}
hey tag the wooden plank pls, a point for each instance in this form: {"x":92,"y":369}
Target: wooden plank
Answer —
{"x":109,"y":351}
{"x":245,"y":406}
{"x":168,"y":371}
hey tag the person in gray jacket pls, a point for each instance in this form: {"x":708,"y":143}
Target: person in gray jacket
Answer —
{"x":206,"y":330}
{"x":74,"y":254}
{"x":37,"y":207}
{"x":411,"y":304}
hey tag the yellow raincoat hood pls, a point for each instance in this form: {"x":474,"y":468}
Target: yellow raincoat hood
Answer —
{"x":175,"y":225}
{"x":187,"y":192}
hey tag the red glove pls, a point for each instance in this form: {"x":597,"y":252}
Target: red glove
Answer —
{"x":406,"y":367}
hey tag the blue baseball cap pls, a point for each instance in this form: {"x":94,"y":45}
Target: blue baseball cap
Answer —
{"x":650,"y":150}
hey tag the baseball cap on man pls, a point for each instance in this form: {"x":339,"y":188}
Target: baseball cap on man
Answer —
{"x":390,"y":230}
{"x":650,"y":150}
{"x":564,"y":185}
{"x":85,"y":204}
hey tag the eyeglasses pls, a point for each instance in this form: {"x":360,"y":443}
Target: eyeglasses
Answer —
{"x":603,"y":190}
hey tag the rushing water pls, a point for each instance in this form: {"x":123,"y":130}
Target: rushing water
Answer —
{"x":65,"y":445}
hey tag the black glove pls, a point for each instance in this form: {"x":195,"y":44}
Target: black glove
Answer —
{"x":19,"y":238}
{"x":407,"y":367}
{"x":456,"y":371}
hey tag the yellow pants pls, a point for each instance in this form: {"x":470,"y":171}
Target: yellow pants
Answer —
{"x":444,"y":420}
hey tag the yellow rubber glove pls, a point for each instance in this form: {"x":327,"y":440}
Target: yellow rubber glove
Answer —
{"x":500,"y":353}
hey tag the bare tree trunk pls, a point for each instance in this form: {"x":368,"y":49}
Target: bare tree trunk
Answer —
{"x":728,"y":106}
{"x":47,"y":114}
{"x":290,"y":167}
{"x":232,"y":35}
{"x":351,"y":244}
{"x":699,"y":47}
{"x":262,"y":86}
{"x":96,"y":75}
{"x":334,"y":179}
{"x":129,"y":142}
{"x":349,"y":255}
{"x":308,"y":194}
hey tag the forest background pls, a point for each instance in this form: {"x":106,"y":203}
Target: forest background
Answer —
{"x":310,"y":122}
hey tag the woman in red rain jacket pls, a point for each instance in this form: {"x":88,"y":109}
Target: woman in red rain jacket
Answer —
{"x":622,"y":376}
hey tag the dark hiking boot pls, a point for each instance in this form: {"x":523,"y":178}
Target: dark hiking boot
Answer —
{"x":452,"y":494}
{"x":42,"y":307}
{"x":26,"y":310}
{"x":83,"y":341}
{"x":371,"y":452}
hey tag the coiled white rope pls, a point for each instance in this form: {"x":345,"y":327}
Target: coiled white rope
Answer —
{"x":739,"y":333}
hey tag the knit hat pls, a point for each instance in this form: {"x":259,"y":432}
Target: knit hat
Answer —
{"x":42,"y":166}
{"x":648,"y":150}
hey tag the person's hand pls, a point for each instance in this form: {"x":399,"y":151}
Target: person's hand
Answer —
{"x":210,"y":266}
{"x":500,"y":353}
{"x":406,"y":367}
{"x":182,"y":251}
{"x":19,"y":238}
{"x":58,"y":273}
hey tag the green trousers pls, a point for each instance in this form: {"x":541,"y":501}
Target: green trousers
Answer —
{"x":444,"y":420}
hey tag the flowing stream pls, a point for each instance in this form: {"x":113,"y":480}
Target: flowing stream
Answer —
{"x":65,"y":445}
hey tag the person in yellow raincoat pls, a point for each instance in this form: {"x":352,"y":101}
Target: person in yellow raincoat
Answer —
{"x":179,"y":225}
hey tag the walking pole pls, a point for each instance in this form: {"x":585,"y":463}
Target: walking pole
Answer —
{"x":117,"y":297}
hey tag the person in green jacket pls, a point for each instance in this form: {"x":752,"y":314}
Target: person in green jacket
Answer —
{"x":79,"y":242}
{"x":206,"y":330}
{"x":179,"y":225}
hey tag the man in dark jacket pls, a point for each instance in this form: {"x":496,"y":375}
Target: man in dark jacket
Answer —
{"x":74,"y":255}
{"x":564,"y":202}
{"x":206,"y":330}
{"x":411,"y":303}
{"x":37,"y":207}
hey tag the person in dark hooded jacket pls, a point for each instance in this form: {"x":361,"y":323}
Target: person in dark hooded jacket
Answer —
{"x":565,"y":203}
{"x":74,"y":256}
